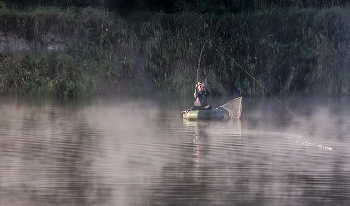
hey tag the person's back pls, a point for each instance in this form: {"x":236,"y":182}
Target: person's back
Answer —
{"x":201,"y":93}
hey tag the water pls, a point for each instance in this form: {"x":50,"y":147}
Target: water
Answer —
{"x":141,"y":152}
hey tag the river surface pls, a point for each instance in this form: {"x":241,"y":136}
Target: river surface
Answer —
{"x":117,"y":151}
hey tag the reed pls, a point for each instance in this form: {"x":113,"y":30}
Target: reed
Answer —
{"x":43,"y":74}
{"x":287,"y":50}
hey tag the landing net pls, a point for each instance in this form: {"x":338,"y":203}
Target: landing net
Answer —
{"x":234,"y":107}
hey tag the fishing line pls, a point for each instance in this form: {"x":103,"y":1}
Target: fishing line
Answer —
{"x":224,"y":53}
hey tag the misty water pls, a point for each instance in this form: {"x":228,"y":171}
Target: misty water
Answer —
{"x":137,"y":151}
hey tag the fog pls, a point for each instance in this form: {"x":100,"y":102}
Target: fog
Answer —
{"x":118,"y":151}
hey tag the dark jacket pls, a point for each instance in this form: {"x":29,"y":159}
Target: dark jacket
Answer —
{"x":201,"y":97}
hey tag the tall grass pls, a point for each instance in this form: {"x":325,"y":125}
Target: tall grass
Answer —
{"x":100,"y":49}
{"x":284,"y":50}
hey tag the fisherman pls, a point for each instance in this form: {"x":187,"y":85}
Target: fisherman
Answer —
{"x":201,"y":93}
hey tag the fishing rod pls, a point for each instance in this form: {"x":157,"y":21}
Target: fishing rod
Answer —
{"x":224,"y":53}
{"x":200,"y":57}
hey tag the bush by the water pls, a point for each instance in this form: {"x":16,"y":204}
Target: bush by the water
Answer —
{"x":284,"y":51}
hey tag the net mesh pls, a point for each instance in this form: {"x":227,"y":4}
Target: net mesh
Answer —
{"x":234,"y":107}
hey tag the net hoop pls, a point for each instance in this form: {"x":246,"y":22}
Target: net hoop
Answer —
{"x":234,"y":107}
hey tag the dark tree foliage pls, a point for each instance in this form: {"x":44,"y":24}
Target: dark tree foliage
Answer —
{"x":172,"y":6}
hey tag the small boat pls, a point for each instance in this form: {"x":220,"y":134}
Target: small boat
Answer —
{"x":215,"y":114}
{"x":234,"y":108}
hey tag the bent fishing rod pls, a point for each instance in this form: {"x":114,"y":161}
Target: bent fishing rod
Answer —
{"x":200,"y":57}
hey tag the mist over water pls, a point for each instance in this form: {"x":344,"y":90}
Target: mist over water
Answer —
{"x":137,"y":151}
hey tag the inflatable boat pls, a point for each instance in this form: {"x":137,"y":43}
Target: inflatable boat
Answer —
{"x":203,"y":113}
{"x":234,"y":108}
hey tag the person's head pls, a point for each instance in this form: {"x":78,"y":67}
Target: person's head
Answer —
{"x":200,"y":86}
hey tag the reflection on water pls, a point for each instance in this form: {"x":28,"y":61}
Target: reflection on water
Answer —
{"x":132,"y":152}
{"x":224,"y":133}
{"x":46,"y":156}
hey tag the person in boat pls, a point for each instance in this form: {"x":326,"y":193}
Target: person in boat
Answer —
{"x":201,"y":94}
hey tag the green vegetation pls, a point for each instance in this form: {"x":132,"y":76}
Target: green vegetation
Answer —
{"x":94,"y":57}
{"x":175,"y":6}
{"x":286,"y":50}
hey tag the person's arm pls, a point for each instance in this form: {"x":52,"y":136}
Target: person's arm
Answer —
{"x":195,"y":94}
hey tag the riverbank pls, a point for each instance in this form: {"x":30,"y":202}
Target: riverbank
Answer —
{"x":79,"y":52}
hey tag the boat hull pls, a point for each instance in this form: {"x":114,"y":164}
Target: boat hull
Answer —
{"x":203,"y":114}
